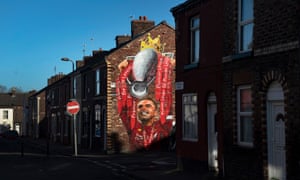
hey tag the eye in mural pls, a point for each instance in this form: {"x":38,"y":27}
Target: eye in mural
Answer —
{"x":144,"y":93}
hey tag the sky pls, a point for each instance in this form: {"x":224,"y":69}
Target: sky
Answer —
{"x":36,"y":34}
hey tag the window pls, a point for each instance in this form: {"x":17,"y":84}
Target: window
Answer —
{"x":190,"y":117}
{"x":244,"y":116}
{"x":53,"y":124}
{"x":66,"y":127}
{"x":5,"y":114}
{"x":97,"y":120}
{"x":85,"y":124}
{"x":195,"y":40}
{"x":245,"y":25}
{"x":98,"y":83}
{"x":85,"y":86}
{"x":74,"y":87}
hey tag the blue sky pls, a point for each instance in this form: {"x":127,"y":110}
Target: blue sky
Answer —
{"x":36,"y":34}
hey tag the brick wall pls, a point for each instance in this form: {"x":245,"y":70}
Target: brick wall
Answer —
{"x":114,"y":123}
{"x":275,"y":57}
{"x":275,"y":22}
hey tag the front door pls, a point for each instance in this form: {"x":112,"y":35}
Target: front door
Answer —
{"x":276,"y":140}
{"x":212,"y":136}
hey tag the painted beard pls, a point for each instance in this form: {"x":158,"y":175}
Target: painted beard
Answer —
{"x":144,"y":116}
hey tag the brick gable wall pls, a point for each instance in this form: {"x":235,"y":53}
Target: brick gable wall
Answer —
{"x":114,"y":123}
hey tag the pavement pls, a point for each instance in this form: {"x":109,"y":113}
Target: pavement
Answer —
{"x":139,"y":166}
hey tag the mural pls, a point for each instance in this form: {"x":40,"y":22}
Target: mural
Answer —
{"x":144,"y":93}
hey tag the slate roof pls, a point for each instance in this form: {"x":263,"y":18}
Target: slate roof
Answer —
{"x":8,"y":100}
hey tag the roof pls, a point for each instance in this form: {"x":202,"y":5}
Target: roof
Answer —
{"x":17,"y":99}
{"x":141,"y":34}
{"x":185,"y":5}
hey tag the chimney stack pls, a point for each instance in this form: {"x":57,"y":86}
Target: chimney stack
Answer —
{"x":121,"y":39}
{"x":140,"y":26}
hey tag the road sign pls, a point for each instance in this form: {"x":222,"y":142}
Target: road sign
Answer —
{"x":73,"y":107}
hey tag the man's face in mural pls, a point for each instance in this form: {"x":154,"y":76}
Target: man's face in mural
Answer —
{"x":146,"y":111}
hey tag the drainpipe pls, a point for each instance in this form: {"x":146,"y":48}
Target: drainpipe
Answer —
{"x":37,"y":117}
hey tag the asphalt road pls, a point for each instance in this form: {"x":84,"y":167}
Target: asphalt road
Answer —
{"x":33,"y":163}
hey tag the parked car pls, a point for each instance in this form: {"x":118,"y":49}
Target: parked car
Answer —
{"x":11,"y":134}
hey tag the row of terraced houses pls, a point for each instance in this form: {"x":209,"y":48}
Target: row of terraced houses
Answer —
{"x":228,"y":74}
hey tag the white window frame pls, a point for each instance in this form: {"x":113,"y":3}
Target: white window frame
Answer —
{"x":98,"y":82}
{"x":195,"y":40}
{"x":5,"y":115}
{"x":190,"y":132}
{"x":243,"y":114}
{"x":97,"y":120}
{"x":243,"y":23}
{"x":74,"y":87}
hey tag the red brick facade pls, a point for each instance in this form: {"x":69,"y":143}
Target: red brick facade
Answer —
{"x":202,"y":79}
{"x":117,"y":132}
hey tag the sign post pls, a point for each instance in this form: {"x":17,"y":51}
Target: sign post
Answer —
{"x":73,"y":108}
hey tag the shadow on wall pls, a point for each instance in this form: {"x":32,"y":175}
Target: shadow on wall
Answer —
{"x":166,"y":144}
{"x":116,"y":143}
{"x":43,"y":128}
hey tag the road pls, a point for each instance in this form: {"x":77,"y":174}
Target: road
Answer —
{"x":35,"y":164}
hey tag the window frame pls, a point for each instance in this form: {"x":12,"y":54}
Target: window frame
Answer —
{"x":74,"y":93}
{"x":66,"y":126}
{"x":243,"y":114}
{"x":195,"y":43}
{"x":192,"y":135}
{"x":97,"y":81}
{"x":242,"y":23}
{"x":5,"y":114}
{"x":85,"y":124}
{"x":97,"y":120}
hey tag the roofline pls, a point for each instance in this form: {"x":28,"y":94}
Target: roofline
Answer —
{"x":183,"y":6}
{"x":164,"y":22}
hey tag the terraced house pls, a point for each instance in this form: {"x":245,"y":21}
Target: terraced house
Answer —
{"x":257,"y":95}
{"x":13,"y":111}
{"x":261,"y":89}
{"x":109,"y":109}
{"x":199,"y":47}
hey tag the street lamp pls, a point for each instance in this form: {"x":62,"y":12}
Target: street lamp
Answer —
{"x":67,"y":59}
{"x":74,"y":115}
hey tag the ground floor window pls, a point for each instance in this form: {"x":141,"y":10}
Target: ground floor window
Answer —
{"x":190,"y":116}
{"x":244,"y":116}
{"x":85,"y":124}
{"x":97,"y":120}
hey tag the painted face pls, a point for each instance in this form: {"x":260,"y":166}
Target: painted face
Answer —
{"x":146,"y":110}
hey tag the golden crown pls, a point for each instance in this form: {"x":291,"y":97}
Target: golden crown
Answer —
{"x":151,"y":43}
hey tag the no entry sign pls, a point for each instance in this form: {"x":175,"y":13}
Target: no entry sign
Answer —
{"x":73,"y":107}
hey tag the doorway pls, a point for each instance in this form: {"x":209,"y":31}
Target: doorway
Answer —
{"x":212,"y":132}
{"x":276,"y":132}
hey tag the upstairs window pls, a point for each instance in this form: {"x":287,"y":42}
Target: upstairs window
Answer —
{"x":85,"y":86}
{"x":195,"y":40}
{"x":244,"y":116}
{"x":98,"y":83}
{"x":74,"y":87}
{"x":5,"y":114}
{"x":245,"y":25}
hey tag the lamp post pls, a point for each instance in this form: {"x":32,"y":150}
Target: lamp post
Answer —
{"x":67,"y":59}
{"x":73,"y":115}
